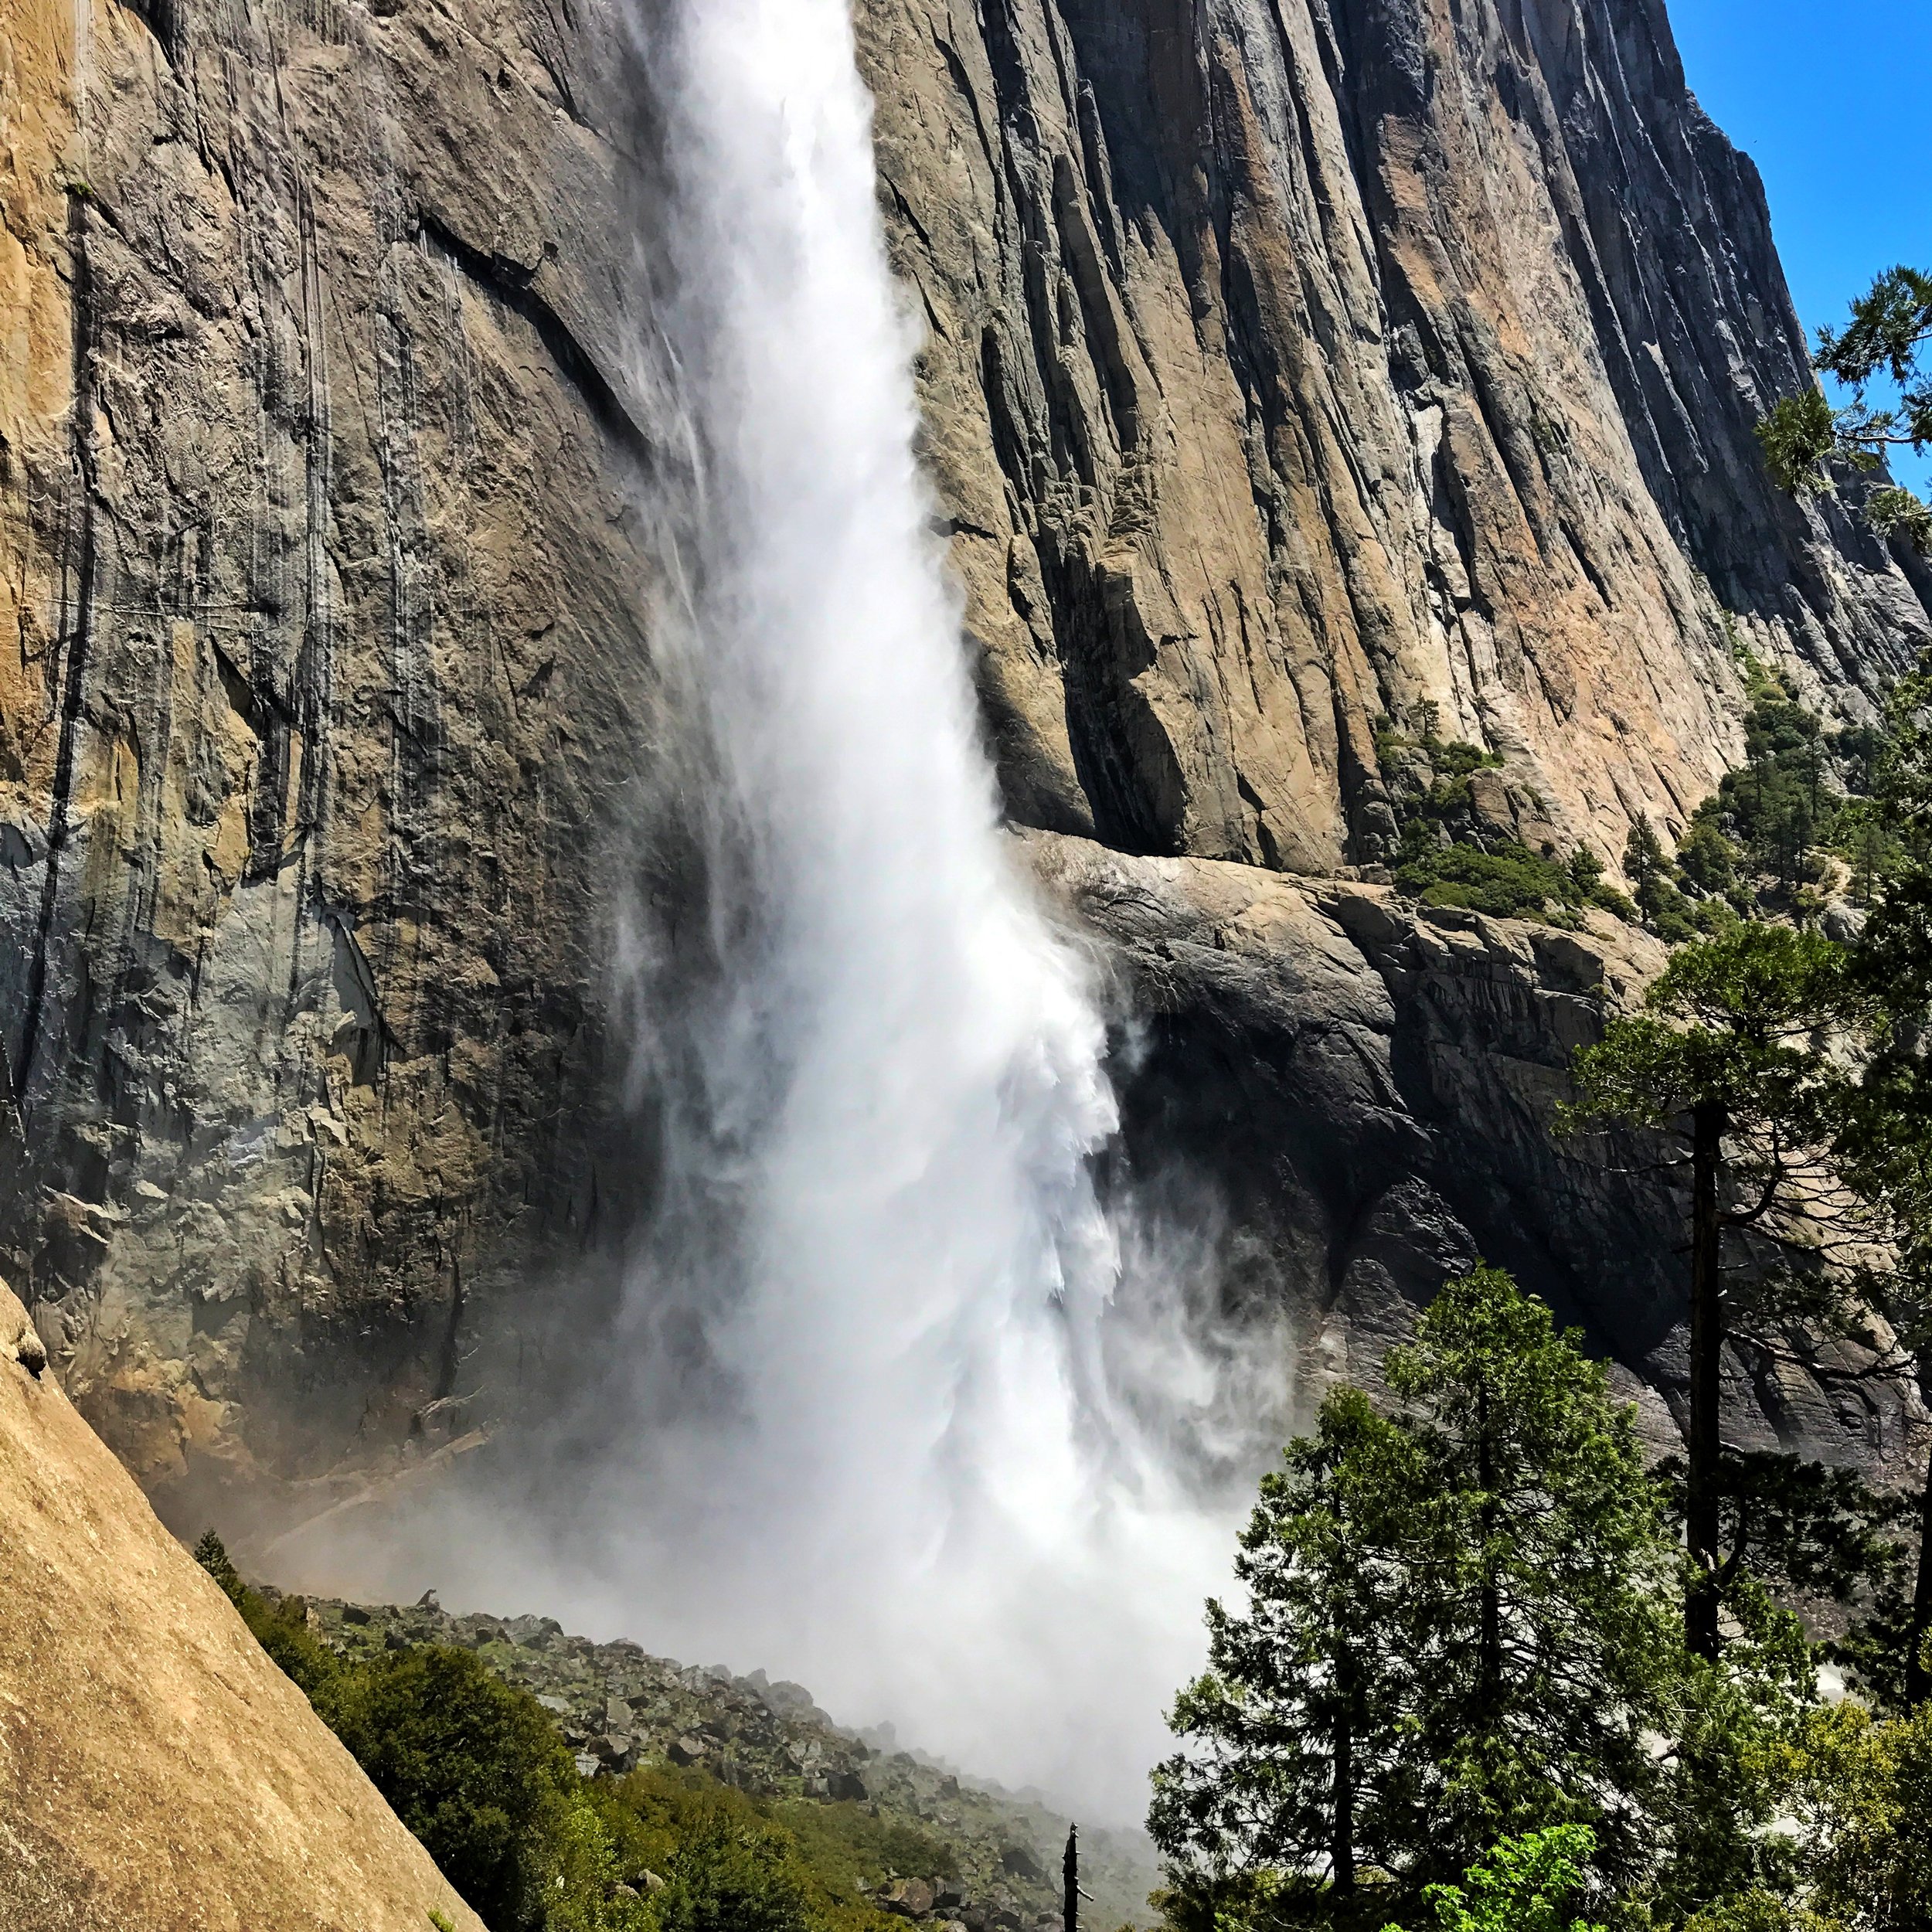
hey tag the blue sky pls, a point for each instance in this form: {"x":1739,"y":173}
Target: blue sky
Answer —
{"x":1833,"y":99}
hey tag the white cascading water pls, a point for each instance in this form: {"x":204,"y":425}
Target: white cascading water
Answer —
{"x":944,"y":1490}
{"x":900,"y":1412}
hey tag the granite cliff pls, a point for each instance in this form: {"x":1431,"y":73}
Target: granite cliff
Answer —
{"x":1293,"y":362}
{"x":160,"y":1773}
{"x":1290,"y":365}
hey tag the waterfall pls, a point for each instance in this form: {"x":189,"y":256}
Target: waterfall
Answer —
{"x":941,"y":1483}
{"x":896,"y":1405}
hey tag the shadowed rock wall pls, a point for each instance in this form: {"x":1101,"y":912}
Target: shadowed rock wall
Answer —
{"x":323,"y":667}
{"x":1373,"y":1090}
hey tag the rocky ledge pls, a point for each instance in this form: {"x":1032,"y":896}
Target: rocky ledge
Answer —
{"x":1373,"y":1086}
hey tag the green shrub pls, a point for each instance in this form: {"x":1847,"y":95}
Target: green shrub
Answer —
{"x":1509,"y":882}
{"x":474,"y":1768}
{"x":847,"y":1843}
{"x":281,"y":1626}
{"x":726,"y":1876}
{"x":1446,"y":859}
{"x":757,"y":1857}
{"x":1526,"y":1884}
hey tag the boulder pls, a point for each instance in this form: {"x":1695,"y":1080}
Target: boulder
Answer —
{"x":907,"y":1899}
{"x":1489,"y":799}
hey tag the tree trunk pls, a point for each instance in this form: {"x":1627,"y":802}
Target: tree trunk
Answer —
{"x":1489,"y":1636}
{"x":1706,"y":1389}
{"x":1342,"y":1850}
{"x":1918,"y":1679}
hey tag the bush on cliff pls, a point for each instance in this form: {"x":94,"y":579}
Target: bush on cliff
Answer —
{"x":1508,"y":881}
{"x":280,"y":1624}
{"x":474,"y":1768}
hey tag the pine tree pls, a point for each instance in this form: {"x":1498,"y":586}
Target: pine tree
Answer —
{"x":1458,"y":1630}
{"x":212,"y":1554}
{"x":1648,"y":867}
{"x":1551,"y":1659}
{"x":1301,"y":1753}
{"x":1804,"y":438}
{"x":1885,"y":1141}
{"x":1731,"y":1054}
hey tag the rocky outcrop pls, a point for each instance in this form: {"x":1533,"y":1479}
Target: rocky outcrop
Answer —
{"x":1297,"y":361}
{"x":157,"y":1772}
{"x":1375,"y":1088}
{"x":1291,"y":364}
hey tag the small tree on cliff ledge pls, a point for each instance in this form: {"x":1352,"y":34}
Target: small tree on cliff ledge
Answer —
{"x":1731,"y":1055}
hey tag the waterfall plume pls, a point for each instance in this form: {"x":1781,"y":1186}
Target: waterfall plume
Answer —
{"x":896,"y":1404}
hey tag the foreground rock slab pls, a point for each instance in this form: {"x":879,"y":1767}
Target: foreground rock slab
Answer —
{"x":157,"y":1772}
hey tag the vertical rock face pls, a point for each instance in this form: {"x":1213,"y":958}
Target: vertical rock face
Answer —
{"x":322,"y":593}
{"x":1294,"y":362}
{"x":1289,"y":363}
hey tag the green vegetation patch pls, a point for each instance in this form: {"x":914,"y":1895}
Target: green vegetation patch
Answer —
{"x":477,"y":1768}
{"x":1450,"y":855}
{"x":1506,"y":881}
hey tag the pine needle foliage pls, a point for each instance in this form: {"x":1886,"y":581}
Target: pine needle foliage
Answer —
{"x":1806,"y":441}
{"x":1301,"y":1740}
{"x":1732,"y":1054}
{"x":1551,"y":1660}
{"x":1457,"y":1630}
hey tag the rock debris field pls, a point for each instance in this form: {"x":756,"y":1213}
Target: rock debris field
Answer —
{"x":620,"y":1708}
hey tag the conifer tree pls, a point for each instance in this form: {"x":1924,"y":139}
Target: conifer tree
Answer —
{"x":1648,"y":867}
{"x":1804,"y":437}
{"x":1301,"y":1752}
{"x":1886,"y":1141}
{"x":1551,"y":1661}
{"x":1732,"y":1054}
{"x":1459,"y":1629}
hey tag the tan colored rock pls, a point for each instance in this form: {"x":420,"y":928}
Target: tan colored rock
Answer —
{"x":158,"y":1773}
{"x":1294,"y":362}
